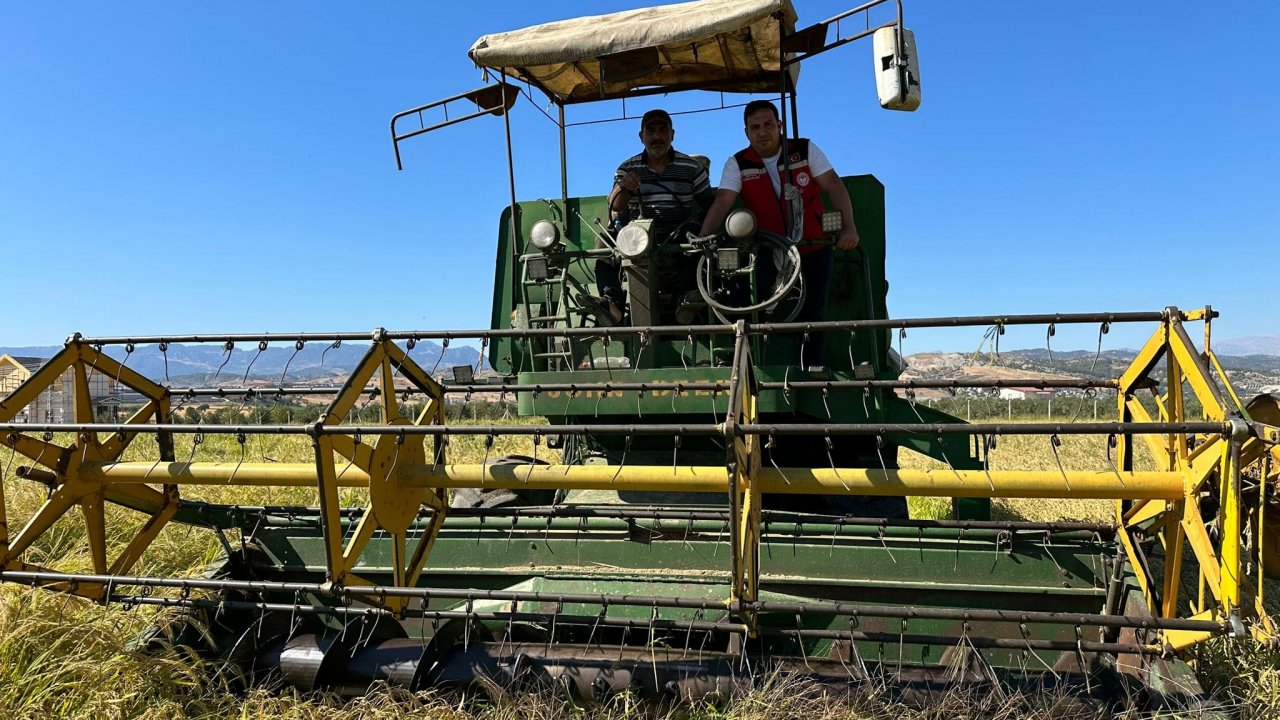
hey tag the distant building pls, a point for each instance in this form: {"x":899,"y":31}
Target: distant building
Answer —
{"x":1026,"y":393}
{"x":57,"y":403}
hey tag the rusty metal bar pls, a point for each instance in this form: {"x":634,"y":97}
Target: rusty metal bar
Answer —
{"x":972,"y":321}
{"x":673,"y":514}
{"x":1038,"y":383}
{"x":981,"y":643}
{"x":607,"y":599}
{"x":818,"y":429}
{"x":752,"y":328}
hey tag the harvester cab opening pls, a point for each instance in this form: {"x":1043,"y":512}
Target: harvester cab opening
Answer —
{"x":697,"y":505}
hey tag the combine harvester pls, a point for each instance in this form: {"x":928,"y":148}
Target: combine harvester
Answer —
{"x":718,"y":511}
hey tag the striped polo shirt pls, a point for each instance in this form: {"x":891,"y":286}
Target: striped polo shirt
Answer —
{"x":669,"y":197}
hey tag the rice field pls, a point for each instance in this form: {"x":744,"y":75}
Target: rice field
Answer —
{"x":65,"y":658}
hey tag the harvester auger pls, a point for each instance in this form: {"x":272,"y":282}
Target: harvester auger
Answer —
{"x":698,"y":509}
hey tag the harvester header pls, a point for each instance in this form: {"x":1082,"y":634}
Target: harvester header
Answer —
{"x":681,"y":502}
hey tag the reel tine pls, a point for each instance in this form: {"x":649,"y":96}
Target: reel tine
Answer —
{"x":1054,"y":443}
{"x":989,"y":444}
{"x":395,"y":459}
{"x":444,"y":345}
{"x":1103,"y":329}
{"x":128,"y":351}
{"x":626,"y":447}
{"x":1088,"y":685}
{"x":242,"y":439}
{"x":468,"y":614}
{"x":13,"y":452}
{"x":804,"y":655}
{"x":880,"y":454}
{"x":911,"y":402}
{"x":1002,"y":536}
{"x":355,"y":438}
{"x":511,"y":622}
{"x":332,"y":346}
{"x":853,"y":648}
{"x":197,"y":439}
{"x":902,"y":633}
{"x":832,"y":460}
{"x":422,"y":623}
{"x":537,"y":440}
{"x":608,"y":364}
{"x":885,"y":545}
{"x":604,"y":610}
{"x":1046,"y":544}
{"x":1026,"y":637}
{"x":644,"y":343}
{"x":768,"y":447}
{"x":1113,"y":462}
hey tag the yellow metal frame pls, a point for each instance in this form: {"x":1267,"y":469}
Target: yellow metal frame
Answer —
{"x":1209,"y":465}
{"x":407,"y":471}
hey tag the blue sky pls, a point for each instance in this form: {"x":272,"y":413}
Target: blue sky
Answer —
{"x":226,"y":167}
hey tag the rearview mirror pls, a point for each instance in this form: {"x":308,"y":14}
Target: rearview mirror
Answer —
{"x":897,"y":69}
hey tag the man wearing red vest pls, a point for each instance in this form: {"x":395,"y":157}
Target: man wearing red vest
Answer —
{"x":760,"y":174}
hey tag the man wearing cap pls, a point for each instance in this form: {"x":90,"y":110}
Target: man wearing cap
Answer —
{"x":662,"y":184}
{"x":759,"y":174}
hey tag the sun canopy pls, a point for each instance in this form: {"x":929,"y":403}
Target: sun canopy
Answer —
{"x":729,"y":45}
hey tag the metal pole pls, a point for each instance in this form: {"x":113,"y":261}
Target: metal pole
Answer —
{"x":1158,"y":485}
{"x":564,"y":165}
{"x":511,"y":183}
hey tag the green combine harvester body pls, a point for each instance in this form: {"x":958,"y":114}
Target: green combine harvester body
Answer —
{"x":544,"y":300}
{"x":699,"y":508}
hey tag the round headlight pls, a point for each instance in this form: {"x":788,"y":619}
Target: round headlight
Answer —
{"x":633,"y":240}
{"x":544,"y":234}
{"x":741,"y":224}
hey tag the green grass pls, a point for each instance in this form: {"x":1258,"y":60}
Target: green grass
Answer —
{"x":64,"y":658}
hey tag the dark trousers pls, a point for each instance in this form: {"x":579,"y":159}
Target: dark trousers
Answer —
{"x":816,"y":268}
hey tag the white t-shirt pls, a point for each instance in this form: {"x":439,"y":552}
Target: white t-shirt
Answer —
{"x":731,"y":176}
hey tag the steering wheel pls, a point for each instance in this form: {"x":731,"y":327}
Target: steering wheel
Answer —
{"x":789,"y":274}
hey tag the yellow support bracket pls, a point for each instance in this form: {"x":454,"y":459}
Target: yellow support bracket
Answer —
{"x":1183,"y":639}
{"x":1196,"y":373}
{"x":37,"y":451}
{"x":744,"y":484}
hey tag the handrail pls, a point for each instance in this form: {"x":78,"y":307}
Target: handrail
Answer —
{"x":494,"y":99}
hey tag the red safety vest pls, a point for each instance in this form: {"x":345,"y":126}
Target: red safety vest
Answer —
{"x":759,"y":197}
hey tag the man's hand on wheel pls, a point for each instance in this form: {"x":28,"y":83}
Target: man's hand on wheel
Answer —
{"x":848,"y":239}
{"x":630,"y":182}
